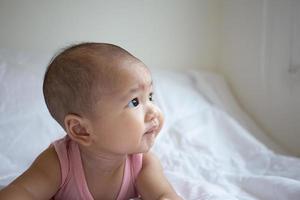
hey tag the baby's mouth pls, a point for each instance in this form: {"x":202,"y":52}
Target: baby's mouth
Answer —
{"x":153,"y":128}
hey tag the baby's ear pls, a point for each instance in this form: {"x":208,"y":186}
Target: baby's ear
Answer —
{"x":78,"y":129}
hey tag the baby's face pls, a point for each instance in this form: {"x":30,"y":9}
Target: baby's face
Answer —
{"x":126,"y":120}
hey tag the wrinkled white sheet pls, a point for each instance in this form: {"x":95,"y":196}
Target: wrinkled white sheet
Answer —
{"x":208,"y":154}
{"x":209,"y":148}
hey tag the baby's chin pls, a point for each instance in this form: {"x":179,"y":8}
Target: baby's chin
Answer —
{"x":148,"y":141}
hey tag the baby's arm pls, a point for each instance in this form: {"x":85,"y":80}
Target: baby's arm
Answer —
{"x":151,"y":182}
{"x":40,"y":181}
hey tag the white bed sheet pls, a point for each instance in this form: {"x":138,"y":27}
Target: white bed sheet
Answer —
{"x":209,"y":148}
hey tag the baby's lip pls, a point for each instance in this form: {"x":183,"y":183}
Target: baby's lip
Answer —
{"x":153,"y":127}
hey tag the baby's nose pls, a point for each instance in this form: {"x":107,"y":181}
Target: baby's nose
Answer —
{"x":151,"y":114}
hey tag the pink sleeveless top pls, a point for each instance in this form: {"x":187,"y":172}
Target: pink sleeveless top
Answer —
{"x":74,"y":185}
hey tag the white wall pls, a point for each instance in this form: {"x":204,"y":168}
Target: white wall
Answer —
{"x":248,"y":39}
{"x":163,"y":33}
{"x":260,"y":56}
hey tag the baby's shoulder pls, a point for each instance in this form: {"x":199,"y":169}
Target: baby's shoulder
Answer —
{"x":47,"y":164}
{"x":150,"y":159}
{"x":48,"y":158}
{"x":41,"y":180}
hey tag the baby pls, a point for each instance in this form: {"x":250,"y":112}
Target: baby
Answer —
{"x":103,"y":98}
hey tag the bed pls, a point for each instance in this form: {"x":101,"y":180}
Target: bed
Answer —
{"x":209,"y":147}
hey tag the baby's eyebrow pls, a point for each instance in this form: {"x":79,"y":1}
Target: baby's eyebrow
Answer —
{"x":140,"y":87}
{"x":134,"y":90}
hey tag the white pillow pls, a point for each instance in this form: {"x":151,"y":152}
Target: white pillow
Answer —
{"x":176,"y":95}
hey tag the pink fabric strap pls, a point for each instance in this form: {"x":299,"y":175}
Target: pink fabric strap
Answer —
{"x":61,"y":150}
{"x":132,"y":168}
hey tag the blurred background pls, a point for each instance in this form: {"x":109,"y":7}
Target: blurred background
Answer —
{"x":255,"y":44}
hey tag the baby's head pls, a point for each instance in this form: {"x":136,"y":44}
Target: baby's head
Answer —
{"x":75,"y":77}
{"x":97,"y":89}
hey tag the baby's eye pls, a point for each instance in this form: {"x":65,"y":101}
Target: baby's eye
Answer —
{"x":133,"y":103}
{"x":151,"y":96}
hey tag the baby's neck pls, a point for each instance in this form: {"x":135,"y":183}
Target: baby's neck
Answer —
{"x":103,"y":172}
{"x":102,"y":163}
